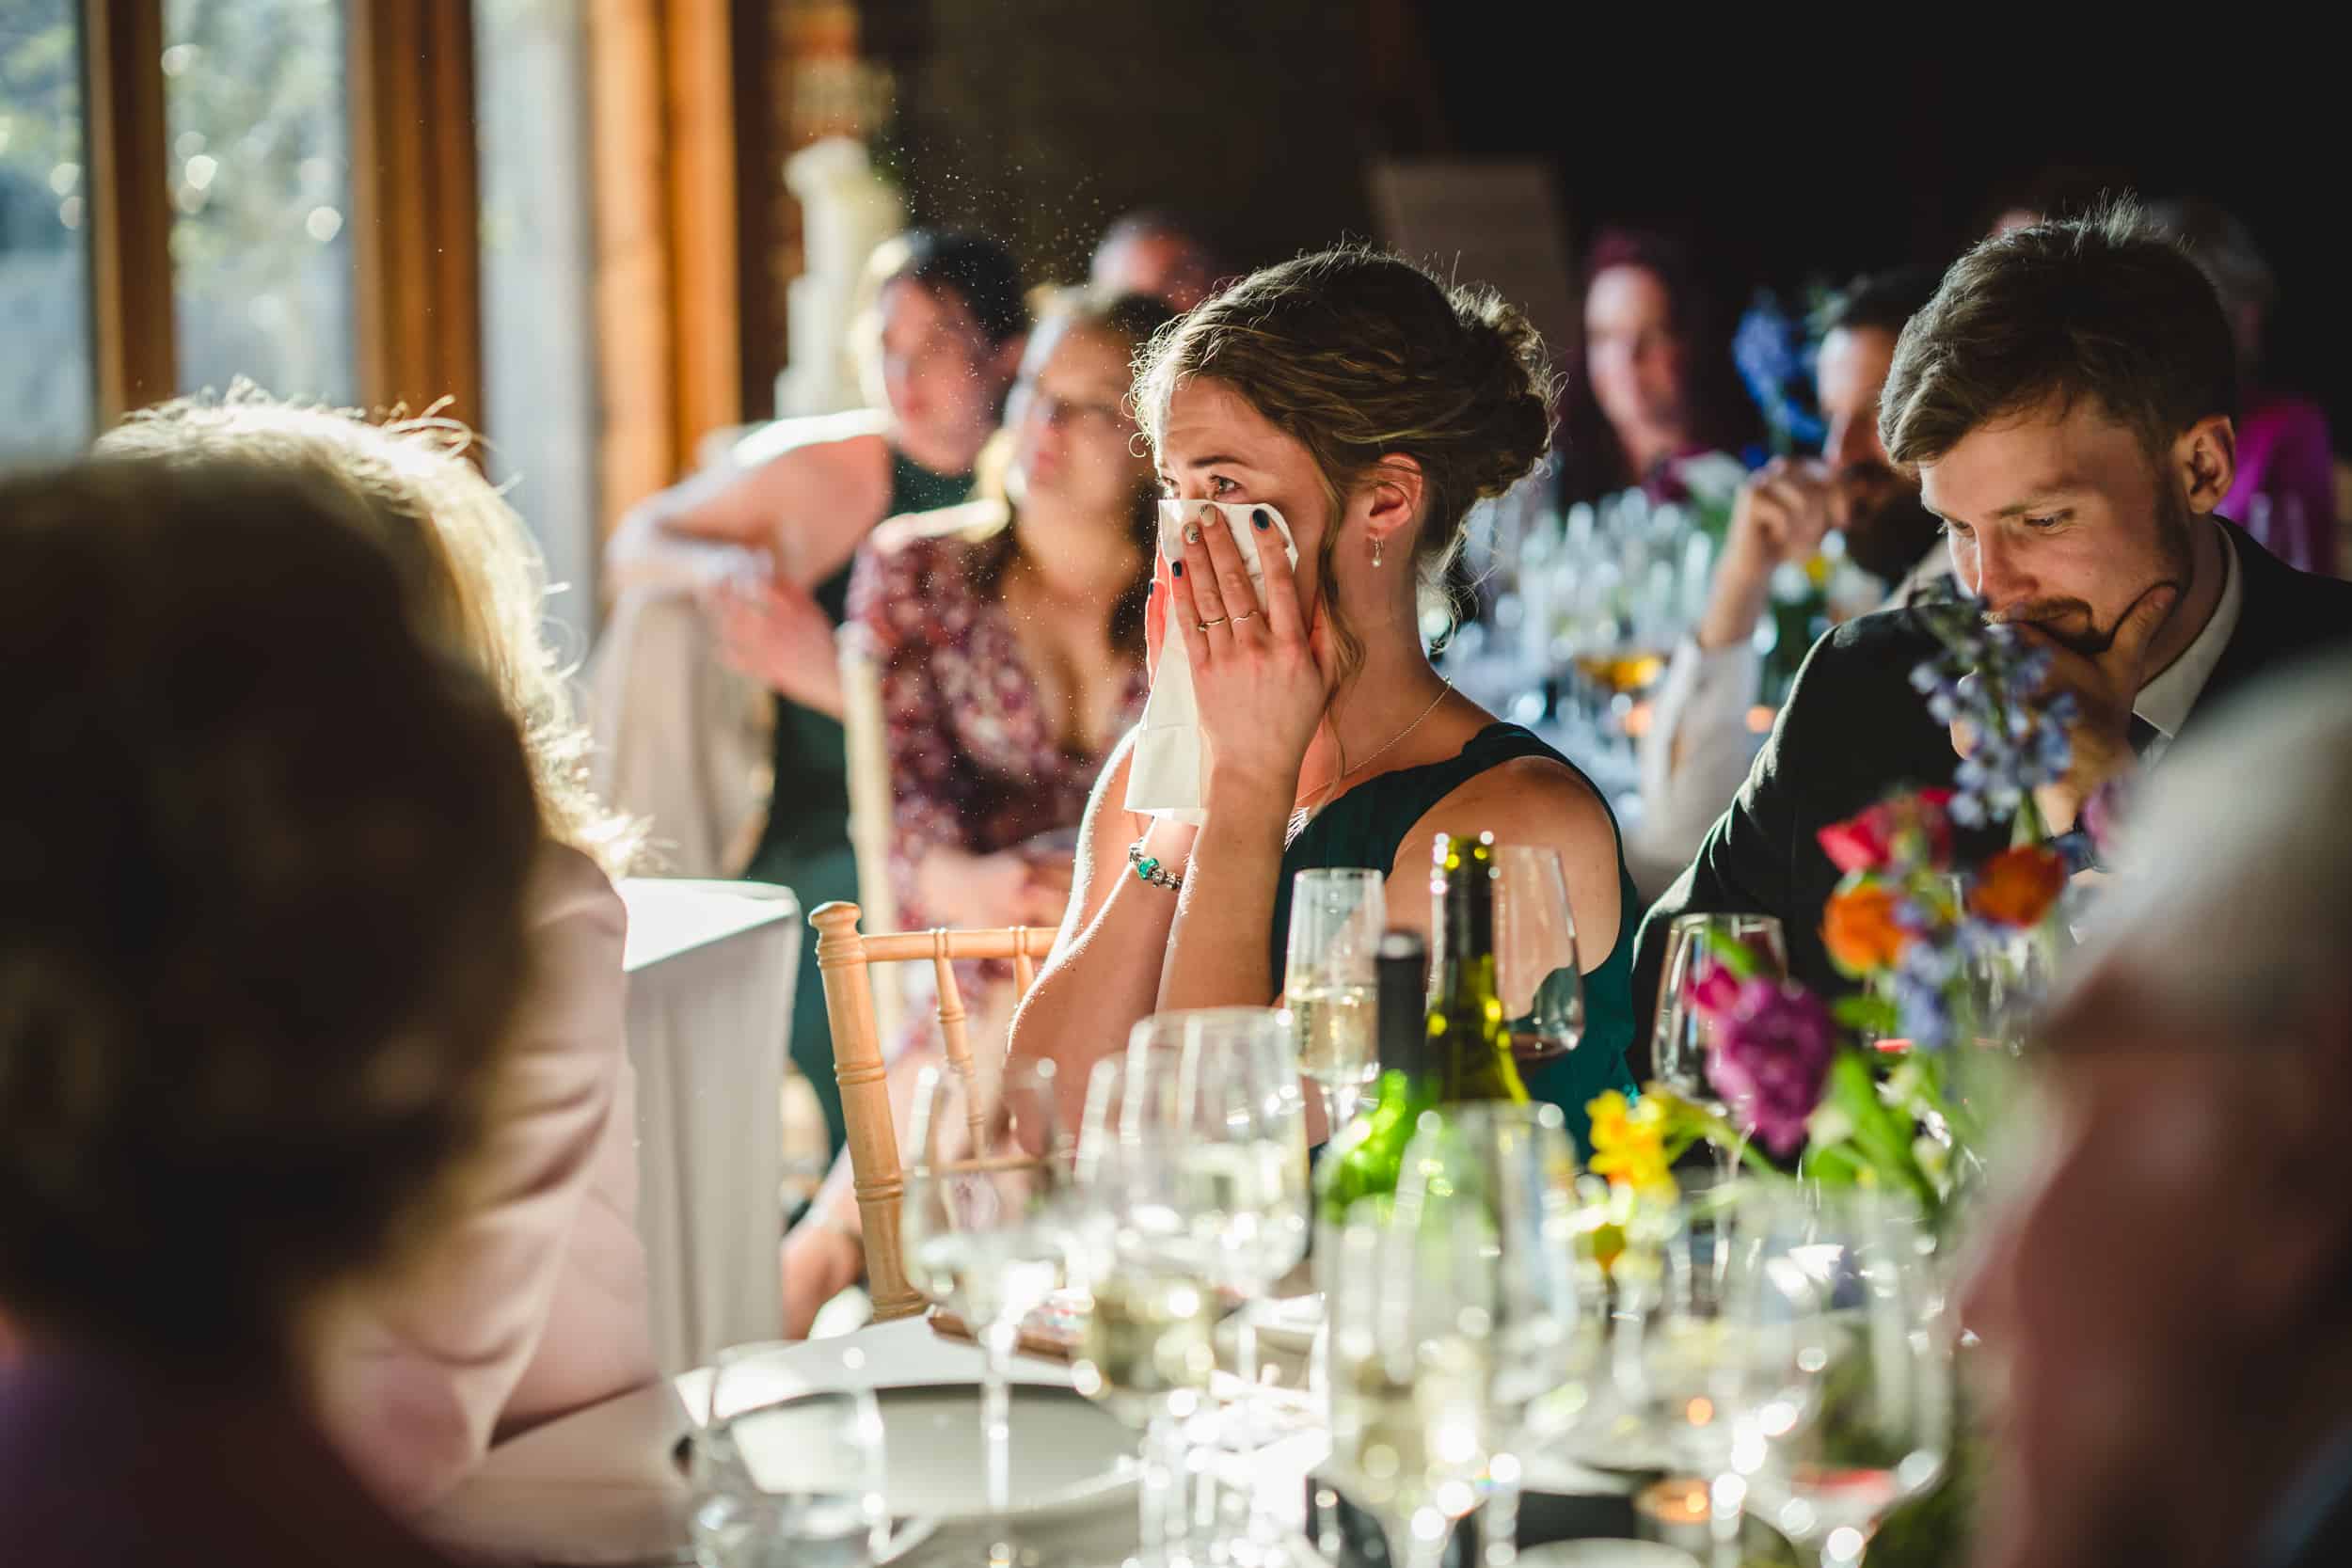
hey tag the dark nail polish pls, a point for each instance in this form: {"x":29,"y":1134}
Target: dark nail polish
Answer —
{"x":1260,"y":518}
{"x":1176,"y":568}
{"x":1150,"y":588}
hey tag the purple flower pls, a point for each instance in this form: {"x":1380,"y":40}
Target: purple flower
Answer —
{"x":1771,"y":1060}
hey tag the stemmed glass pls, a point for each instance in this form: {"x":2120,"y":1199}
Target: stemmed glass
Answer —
{"x":1236,"y":1101}
{"x":984,"y":1224}
{"x":1337,"y":915}
{"x":782,"y":1473}
{"x":1849,"y":1413}
{"x":1410,"y":1378}
{"x":1535,"y":957}
{"x":1146,"y":1234}
{"x":1684,"y":1039}
{"x":1514,"y":1170}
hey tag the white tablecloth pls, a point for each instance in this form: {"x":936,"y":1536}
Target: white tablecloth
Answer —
{"x":711,"y":967}
{"x":604,"y":1486}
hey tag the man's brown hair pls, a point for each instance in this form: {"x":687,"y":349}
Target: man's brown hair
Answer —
{"x":2100,"y":305}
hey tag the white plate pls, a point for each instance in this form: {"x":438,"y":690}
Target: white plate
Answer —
{"x":1066,"y":1452}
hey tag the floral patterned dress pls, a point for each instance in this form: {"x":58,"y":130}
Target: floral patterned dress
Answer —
{"x":976,"y":763}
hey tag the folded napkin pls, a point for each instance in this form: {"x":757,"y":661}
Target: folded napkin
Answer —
{"x":1168,"y":774}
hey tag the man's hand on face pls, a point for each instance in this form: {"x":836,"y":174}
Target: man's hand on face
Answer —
{"x":2106,"y":685}
{"x":1780,"y":515}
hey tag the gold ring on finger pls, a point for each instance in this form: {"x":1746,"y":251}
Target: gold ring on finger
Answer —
{"x":1217,"y":622}
{"x":1244,"y":615}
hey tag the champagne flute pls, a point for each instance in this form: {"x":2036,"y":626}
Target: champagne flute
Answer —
{"x":1849,"y":1412}
{"x":1548,"y":1330}
{"x":984,"y":1228}
{"x":1535,"y":956}
{"x":1410,"y":1383}
{"x":1337,"y":915}
{"x":1683,"y":1043}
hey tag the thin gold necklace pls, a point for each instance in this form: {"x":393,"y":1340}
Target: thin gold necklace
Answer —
{"x":1444,"y":688}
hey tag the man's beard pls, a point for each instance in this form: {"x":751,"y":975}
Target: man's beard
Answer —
{"x":1890,"y":531}
{"x":2072,"y":624}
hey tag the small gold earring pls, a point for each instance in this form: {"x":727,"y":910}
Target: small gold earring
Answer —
{"x":1376,"y":552}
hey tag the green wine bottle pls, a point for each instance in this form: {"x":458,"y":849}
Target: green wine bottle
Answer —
{"x":1469,"y":1037}
{"x":1365,"y":1157}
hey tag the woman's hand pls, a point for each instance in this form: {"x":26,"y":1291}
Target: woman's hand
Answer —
{"x":776,"y":632}
{"x":1262,"y":676}
{"x":1011,"y":887}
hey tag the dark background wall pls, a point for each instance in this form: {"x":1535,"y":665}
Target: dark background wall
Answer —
{"x":1814,"y":150}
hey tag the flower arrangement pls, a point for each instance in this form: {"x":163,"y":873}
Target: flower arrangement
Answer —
{"x":1940,"y":944}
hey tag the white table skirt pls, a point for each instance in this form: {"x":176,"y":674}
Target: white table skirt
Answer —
{"x":711,"y":973}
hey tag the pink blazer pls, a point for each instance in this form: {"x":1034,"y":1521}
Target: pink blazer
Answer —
{"x":534,"y":1304}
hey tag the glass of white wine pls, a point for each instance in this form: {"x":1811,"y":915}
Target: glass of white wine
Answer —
{"x":1144,"y":1230}
{"x":1412,"y":1300}
{"x":985,"y":1223}
{"x":1337,"y":915}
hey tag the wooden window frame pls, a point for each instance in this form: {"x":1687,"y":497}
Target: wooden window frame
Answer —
{"x":416,"y":223}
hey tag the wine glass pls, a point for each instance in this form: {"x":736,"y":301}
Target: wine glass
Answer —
{"x":1683,"y":1043}
{"x":1535,"y":956}
{"x":1849,"y":1412}
{"x":1234,"y":1095}
{"x":1145,"y":1228}
{"x":1337,"y":915}
{"x":1548,"y":1319}
{"x":1410,"y":1381}
{"x":783,"y":1474}
{"x":983,"y":1223}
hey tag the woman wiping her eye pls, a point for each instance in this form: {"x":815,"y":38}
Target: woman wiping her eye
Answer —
{"x":1367,"y":407}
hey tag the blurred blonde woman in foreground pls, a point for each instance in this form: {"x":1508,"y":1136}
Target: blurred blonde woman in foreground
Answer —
{"x":534,"y":1303}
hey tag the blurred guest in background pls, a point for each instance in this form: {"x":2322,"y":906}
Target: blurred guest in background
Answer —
{"x":769,"y":542}
{"x":1011,"y":638}
{"x":267,"y":917}
{"x":2167,"y":1294}
{"x":1698,"y":746}
{"x":1658,"y":389}
{"x":1157,"y":254}
{"x":533,"y":1303}
{"x":1371,"y":406}
{"x":2285,"y":493}
{"x":2047,"y":195}
{"x":2079,"y":494}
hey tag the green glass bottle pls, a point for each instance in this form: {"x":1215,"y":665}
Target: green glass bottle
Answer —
{"x":1365,"y":1156}
{"x":1469,"y":1037}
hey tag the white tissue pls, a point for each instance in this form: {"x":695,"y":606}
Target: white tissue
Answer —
{"x":1167,"y":772}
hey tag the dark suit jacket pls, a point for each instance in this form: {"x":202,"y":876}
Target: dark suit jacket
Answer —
{"x":1854,"y":730}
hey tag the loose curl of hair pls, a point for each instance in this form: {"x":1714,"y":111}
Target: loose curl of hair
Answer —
{"x":256,"y":967}
{"x":473,"y":572}
{"x":1360,"y":354}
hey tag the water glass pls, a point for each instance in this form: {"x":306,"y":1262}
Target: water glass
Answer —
{"x":1337,"y":915}
{"x":984,"y":1224}
{"x":783,"y":1475}
{"x":1535,"y":955}
{"x":1850,"y":1411}
{"x":1683,"y":1043}
{"x":1412,"y":1299}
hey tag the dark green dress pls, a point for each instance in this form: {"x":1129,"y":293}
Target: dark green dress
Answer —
{"x":1367,"y":827}
{"x":806,"y":844}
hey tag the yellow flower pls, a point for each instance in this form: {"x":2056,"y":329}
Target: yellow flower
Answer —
{"x":1630,"y":1142}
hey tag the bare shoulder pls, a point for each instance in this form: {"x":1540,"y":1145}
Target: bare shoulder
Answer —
{"x":855,"y":464}
{"x":1527,"y":800}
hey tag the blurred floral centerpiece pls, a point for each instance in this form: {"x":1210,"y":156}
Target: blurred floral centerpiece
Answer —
{"x":1950,"y":951}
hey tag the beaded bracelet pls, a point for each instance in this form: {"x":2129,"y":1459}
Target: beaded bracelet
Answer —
{"x":1147,"y":868}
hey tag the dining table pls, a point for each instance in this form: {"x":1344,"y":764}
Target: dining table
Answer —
{"x":607,"y":1486}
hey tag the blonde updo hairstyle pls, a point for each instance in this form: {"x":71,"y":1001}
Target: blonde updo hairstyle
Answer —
{"x":474,"y":575}
{"x":1360,"y":354}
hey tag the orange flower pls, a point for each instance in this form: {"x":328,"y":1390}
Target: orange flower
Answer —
{"x":1858,"y":926}
{"x":2018,"y":886}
